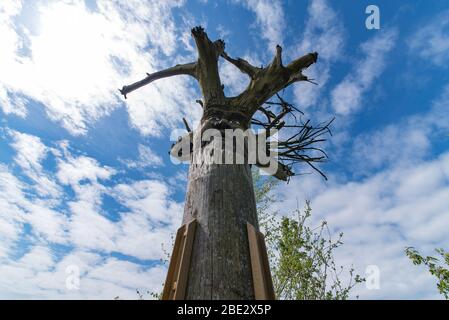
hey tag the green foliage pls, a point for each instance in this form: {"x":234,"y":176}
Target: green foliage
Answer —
{"x":438,"y":268}
{"x":265,"y":198}
{"x":301,"y":257}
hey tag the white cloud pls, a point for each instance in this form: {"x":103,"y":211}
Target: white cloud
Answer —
{"x":89,"y":229}
{"x":380,"y":216}
{"x":38,"y":276}
{"x":18,"y":208}
{"x":404,"y":142}
{"x":38,"y":258}
{"x":323,"y":33}
{"x":48,"y":224}
{"x":75,"y":169}
{"x":223,"y":32}
{"x":147,"y":158}
{"x":404,"y":203}
{"x":10,"y":45}
{"x":150,"y":217}
{"x":163,"y":103}
{"x":30,"y":152}
{"x":431,"y":41}
{"x":232,"y":78}
{"x":149,"y":198}
{"x":347,"y":95}
{"x":270,"y":19}
{"x":78,"y":58}
{"x":125,"y":274}
{"x":394,"y":145}
{"x":10,"y":207}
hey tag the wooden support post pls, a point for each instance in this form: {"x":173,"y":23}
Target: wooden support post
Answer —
{"x":263,"y":284}
{"x":177,"y":276}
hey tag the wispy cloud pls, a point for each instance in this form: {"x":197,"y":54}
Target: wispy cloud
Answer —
{"x":39,"y":275}
{"x":401,"y":200}
{"x":60,"y":206}
{"x":30,"y":152}
{"x":147,"y":158}
{"x":77,"y":58}
{"x":270,"y":19}
{"x":431,"y":41}
{"x":233,"y":79}
{"x":19,"y":209}
{"x":404,"y":142}
{"x":73,"y":170}
{"x":323,"y":33}
{"x":347,"y":95}
{"x":148,"y":215}
{"x":380,"y":216}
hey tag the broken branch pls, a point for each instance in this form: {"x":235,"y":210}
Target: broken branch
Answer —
{"x":180,"y":69}
{"x":243,"y":65}
{"x":302,"y":63}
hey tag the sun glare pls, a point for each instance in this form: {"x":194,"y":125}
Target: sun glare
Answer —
{"x":68,"y":47}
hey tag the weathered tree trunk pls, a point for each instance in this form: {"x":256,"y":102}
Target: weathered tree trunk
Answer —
{"x":221,"y":198}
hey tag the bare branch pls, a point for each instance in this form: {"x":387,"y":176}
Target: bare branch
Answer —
{"x":268,"y":114}
{"x":205,"y":69}
{"x":180,"y":69}
{"x":272,"y":79}
{"x":243,"y":65}
{"x":302,"y":63}
{"x":206,"y":48}
{"x":277,"y":61}
{"x":301,"y":146}
{"x":277,"y":119}
{"x":207,"y":66}
{"x":186,"y":125}
{"x":200,"y":102}
{"x":283,"y":172}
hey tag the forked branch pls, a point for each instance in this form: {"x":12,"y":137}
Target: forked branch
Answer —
{"x":180,"y":69}
{"x":266,"y":82}
{"x":243,"y":65}
{"x":205,"y":69}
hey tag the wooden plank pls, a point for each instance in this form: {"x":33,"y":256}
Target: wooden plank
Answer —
{"x":172,"y":267}
{"x":177,"y":275}
{"x":181,"y":283}
{"x":269,"y":288}
{"x":262,"y":282}
{"x":256,"y":266}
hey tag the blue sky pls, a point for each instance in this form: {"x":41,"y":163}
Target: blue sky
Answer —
{"x":85,"y":177}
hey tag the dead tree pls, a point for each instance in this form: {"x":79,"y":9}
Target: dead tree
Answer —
{"x":220,"y":197}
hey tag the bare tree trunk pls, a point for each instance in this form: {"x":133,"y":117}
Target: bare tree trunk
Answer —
{"x":221,"y":198}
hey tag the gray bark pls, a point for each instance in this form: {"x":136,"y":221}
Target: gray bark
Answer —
{"x":221,"y":198}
